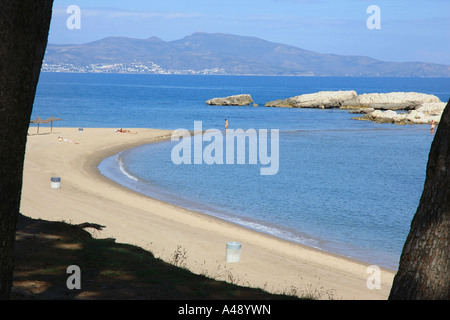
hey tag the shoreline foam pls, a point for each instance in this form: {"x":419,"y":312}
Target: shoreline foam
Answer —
{"x":87,"y":196}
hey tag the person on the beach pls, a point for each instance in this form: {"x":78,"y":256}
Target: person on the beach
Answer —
{"x":433,"y":126}
{"x":61,"y":139}
{"x":125,"y":131}
{"x":226,"y":124}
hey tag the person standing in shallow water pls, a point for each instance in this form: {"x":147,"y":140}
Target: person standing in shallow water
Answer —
{"x":226,"y":124}
{"x":433,"y":126}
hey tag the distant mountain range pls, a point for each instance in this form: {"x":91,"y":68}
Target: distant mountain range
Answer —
{"x":205,"y":53}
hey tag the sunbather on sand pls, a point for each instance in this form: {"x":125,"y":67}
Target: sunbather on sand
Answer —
{"x":125,"y":131}
{"x":61,"y":139}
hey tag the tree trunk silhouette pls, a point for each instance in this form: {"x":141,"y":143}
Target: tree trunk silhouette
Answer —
{"x":425,"y":261}
{"x":24,"y":29}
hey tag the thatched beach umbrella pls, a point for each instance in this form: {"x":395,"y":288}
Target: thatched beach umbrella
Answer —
{"x":51,"y":119}
{"x":38,"y":120}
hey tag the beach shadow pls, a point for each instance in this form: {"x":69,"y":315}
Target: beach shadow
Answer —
{"x":109,"y":270}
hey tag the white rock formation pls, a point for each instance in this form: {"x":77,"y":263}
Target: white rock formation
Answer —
{"x":322,"y":100}
{"x":412,"y":117}
{"x":236,"y":100}
{"x":396,"y":100}
{"x":432,"y":108}
{"x":379,"y":107}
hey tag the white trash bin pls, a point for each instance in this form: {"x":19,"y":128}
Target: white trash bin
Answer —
{"x":55,"y":182}
{"x":233,"y":252}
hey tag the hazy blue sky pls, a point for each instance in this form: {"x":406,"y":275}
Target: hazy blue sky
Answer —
{"x":411,"y":30}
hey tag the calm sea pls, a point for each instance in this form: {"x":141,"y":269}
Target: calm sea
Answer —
{"x":345,"y":186}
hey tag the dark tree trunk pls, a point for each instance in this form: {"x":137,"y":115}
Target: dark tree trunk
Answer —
{"x":24,"y":26}
{"x":425,"y":261}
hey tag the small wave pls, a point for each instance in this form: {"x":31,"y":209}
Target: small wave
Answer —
{"x":123,"y":170}
{"x":276,"y":232}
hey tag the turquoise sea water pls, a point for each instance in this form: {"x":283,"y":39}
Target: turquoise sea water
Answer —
{"x":345,"y":186}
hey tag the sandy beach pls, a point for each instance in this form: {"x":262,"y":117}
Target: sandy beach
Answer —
{"x":87,"y":196}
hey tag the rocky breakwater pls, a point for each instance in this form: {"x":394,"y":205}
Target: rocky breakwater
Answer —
{"x":236,"y":100}
{"x":395,"y":100}
{"x":400,"y":108}
{"x":322,"y":100}
{"x":424,"y":114}
{"x":394,"y":107}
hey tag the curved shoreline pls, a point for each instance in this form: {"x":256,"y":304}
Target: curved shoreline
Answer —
{"x":111,"y":168}
{"x":86,"y":195}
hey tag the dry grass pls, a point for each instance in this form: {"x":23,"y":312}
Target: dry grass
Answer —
{"x":109,"y":270}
